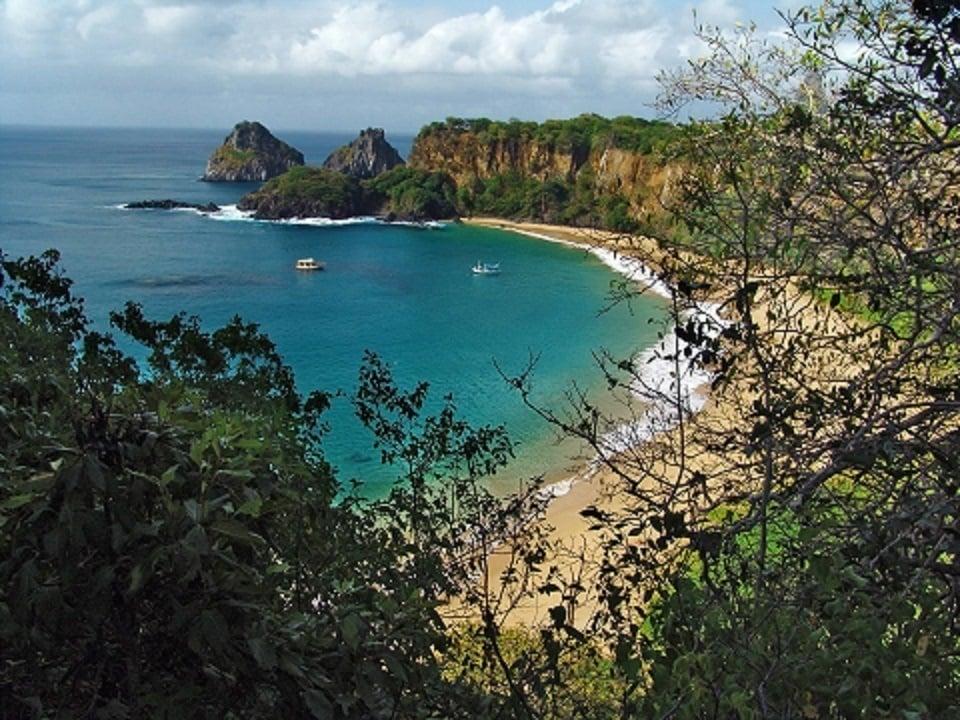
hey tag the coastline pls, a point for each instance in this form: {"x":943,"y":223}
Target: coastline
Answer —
{"x":609,"y":248}
{"x":594,"y":484}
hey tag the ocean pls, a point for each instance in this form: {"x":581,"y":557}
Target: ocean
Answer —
{"x":406,"y":293}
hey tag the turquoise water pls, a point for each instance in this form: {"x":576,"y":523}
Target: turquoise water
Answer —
{"x":405,"y":293}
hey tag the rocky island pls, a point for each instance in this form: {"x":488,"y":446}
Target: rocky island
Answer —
{"x":366,"y":177}
{"x":250,"y":153}
{"x":399,"y":194}
{"x":366,"y":157}
{"x":172,"y":205}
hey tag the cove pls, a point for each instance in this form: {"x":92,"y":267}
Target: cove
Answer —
{"x":406,"y":293}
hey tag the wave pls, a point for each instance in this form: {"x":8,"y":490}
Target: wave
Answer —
{"x":671,"y":384}
{"x":230,"y":213}
{"x":195,"y":211}
{"x":665,"y":373}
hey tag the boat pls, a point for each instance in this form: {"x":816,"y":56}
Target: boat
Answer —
{"x":482,"y":268}
{"x":310,"y":264}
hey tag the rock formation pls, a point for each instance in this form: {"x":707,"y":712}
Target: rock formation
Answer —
{"x":172,"y":205}
{"x":643,"y":180}
{"x":311,"y":192}
{"x":250,"y":154}
{"x":366,"y":157}
{"x":306,"y":192}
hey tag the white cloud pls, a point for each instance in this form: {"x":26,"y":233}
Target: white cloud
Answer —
{"x":570,"y":48}
{"x":569,"y":38}
{"x":168,"y":19}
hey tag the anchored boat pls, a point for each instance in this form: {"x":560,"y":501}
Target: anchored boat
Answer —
{"x":482,"y":268}
{"x":310,"y":264}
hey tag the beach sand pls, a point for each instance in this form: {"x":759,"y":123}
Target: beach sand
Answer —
{"x":579,"y":548}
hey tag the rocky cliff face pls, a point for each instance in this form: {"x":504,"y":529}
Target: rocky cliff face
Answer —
{"x":250,"y":153}
{"x":366,"y":157}
{"x":638,"y":177}
{"x":465,"y":156}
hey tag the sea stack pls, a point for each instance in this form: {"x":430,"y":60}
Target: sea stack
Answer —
{"x":250,"y":153}
{"x":366,"y":157}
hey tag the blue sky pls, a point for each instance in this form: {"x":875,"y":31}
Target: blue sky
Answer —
{"x":327,"y":64}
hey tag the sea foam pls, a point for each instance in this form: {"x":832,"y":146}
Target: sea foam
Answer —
{"x":669,"y":383}
{"x":230,"y":213}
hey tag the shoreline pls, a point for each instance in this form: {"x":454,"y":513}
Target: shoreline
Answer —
{"x":633,"y":269}
{"x":591,"y":483}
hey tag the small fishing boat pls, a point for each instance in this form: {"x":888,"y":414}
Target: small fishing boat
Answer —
{"x":482,"y":268}
{"x":310,"y":264}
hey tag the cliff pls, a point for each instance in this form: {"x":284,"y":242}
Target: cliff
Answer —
{"x":250,"y":153}
{"x":617,"y":160}
{"x":588,"y":171}
{"x":366,"y":157}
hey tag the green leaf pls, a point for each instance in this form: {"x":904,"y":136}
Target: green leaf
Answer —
{"x":320,"y":707}
{"x":137,"y":578}
{"x":263,"y":652}
{"x":12,"y":503}
{"x":234,"y":530}
{"x":251,"y":507}
{"x":169,"y":475}
{"x":350,"y":630}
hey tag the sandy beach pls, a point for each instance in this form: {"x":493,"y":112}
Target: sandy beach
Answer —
{"x":593,"y":485}
{"x":601,"y":485}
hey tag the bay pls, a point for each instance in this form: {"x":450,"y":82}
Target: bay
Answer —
{"x":406,"y":293}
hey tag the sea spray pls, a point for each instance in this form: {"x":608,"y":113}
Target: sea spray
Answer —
{"x":665,"y":370}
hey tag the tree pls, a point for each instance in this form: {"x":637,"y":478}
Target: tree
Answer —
{"x":797,"y":554}
{"x":172,"y":543}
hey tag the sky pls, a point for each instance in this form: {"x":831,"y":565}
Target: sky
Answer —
{"x":333,"y":65}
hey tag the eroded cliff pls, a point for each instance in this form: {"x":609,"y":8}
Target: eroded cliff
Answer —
{"x":617,"y":159}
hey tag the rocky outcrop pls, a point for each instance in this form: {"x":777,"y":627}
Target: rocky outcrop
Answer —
{"x":465,"y":156}
{"x":645,"y":182}
{"x":172,"y":205}
{"x":313,"y":192}
{"x":366,"y":157}
{"x":250,"y":153}
{"x":306,"y":192}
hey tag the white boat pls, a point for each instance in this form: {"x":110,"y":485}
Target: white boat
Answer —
{"x":310,"y":264}
{"x":482,"y":268}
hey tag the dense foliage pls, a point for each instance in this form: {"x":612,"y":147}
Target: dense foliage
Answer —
{"x":173,"y":545}
{"x":413,"y":194}
{"x":318,"y":192}
{"x":797,"y":554}
{"x":575,"y":135}
{"x":556,"y":200}
{"x":305,"y":191}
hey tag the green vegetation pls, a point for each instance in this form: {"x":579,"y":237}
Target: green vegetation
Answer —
{"x":414,"y":194}
{"x":556,"y":201}
{"x":317,"y":192}
{"x":306,"y":192}
{"x":231,"y":158}
{"x":579,"y":134}
{"x":172,"y":543}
